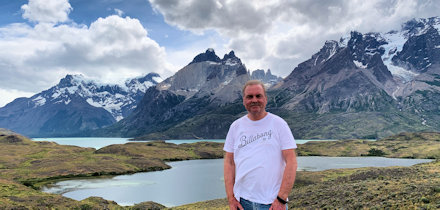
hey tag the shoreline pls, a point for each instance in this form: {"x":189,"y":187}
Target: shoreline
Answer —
{"x":26,"y":163}
{"x":153,"y":198}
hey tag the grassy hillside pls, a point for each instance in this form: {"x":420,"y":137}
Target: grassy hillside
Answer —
{"x":404,"y":145}
{"x":349,"y":125}
{"x":26,"y":165}
{"x":415,"y":187}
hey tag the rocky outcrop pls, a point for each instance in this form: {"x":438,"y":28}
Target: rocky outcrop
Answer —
{"x":339,"y":77}
{"x":206,"y":84}
{"x":266,"y":77}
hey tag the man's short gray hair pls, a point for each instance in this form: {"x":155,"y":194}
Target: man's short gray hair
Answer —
{"x":254,"y":82}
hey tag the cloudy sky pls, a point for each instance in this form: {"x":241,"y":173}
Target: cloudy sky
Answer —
{"x":111,"y":40}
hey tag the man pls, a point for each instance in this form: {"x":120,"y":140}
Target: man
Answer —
{"x":260,"y":161}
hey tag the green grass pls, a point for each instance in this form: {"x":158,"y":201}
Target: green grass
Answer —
{"x":404,"y":145}
{"x":31,"y":165}
{"x":365,"y":188}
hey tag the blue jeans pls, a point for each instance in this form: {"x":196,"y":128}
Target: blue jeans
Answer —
{"x":249,"y":205}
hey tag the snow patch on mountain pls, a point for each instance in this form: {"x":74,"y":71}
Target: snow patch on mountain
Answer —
{"x":157,"y":79}
{"x":405,"y":75}
{"x":138,"y":86}
{"x":437,"y":26}
{"x":39,"y":101}
{"x":231,"y":62}
{"x":395,"y":41}
{"x":228,"y":80}
{"x":419,"y":26}
{"x":114,"y":98}
{"x":332,"y":52}
{"x":91,"y":102}
{"x":213,"y":63}
{"x":359,"y":64}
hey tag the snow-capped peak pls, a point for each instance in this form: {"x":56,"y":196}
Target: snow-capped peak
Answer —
{"x":418,"y":26}
{"x":397,"y":39}
{"x":391,"y":44}
{"x":116,"y":99}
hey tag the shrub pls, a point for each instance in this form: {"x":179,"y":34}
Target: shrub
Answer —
{"x":376,"y":152}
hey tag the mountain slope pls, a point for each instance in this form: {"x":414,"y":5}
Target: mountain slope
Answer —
{"x":366,"y":85}
{"x":338,"y":78}
{"x":207,"y":83}
{"x":73,"y":105}
{"x":362,"y":86}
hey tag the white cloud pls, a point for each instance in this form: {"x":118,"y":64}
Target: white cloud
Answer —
{"x":233,"y":16}
{"x":111,"y":49}
{"x":279,"y":34}
{"x":119,"y":12}
{"x":51,"y":11}
{"x":275,"y":34}
{"x":9,"y":95}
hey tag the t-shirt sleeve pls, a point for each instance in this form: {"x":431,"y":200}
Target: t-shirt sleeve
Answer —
{"x":229,"y":143}
{"x":286,"y":137}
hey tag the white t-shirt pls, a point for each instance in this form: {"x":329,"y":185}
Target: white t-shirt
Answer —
{"x":259,"y":164}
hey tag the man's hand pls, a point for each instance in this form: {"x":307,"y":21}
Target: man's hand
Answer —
{"x":234,"y":204}
{"x":276,"y":205}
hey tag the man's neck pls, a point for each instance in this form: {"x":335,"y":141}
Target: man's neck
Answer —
{"x":257,"y":117}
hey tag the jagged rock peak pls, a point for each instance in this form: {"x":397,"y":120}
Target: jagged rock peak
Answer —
{"x":231,"y":59}
{"x":420,"y":26}
{"x":330,"y":46}
{"x":266,"y":77}
{"x":357,"y":37}
{"x":230,"y":55}
{"x":329,"y":49}
{"x":70,"y":80}
{"x":209,"y":55}
{"x":269,"y":73}
{"x":331,"y":43}
{"x":259,"y":74}
{"x":421,"y":50}
{"x":369,"y":43}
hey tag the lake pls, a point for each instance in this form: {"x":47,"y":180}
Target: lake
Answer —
{"x":193,"y":181}
{"x":99,"y":142}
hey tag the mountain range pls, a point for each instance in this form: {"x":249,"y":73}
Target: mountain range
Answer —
{"x":362,"y":86}
{"x":193,"y":99}
{"x":366,"y":85}
{"x":74,"y":105}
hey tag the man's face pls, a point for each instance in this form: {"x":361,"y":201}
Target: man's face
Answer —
{"x":254,"y":99}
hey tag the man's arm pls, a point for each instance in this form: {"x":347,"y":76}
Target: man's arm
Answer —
{"x":229,"y":175}
{"x":289,"y":156}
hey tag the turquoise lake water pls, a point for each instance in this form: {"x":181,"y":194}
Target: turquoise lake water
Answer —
{"x":187,"y":181}
{"x":192,"y":181}
{"x":99,"y":142}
